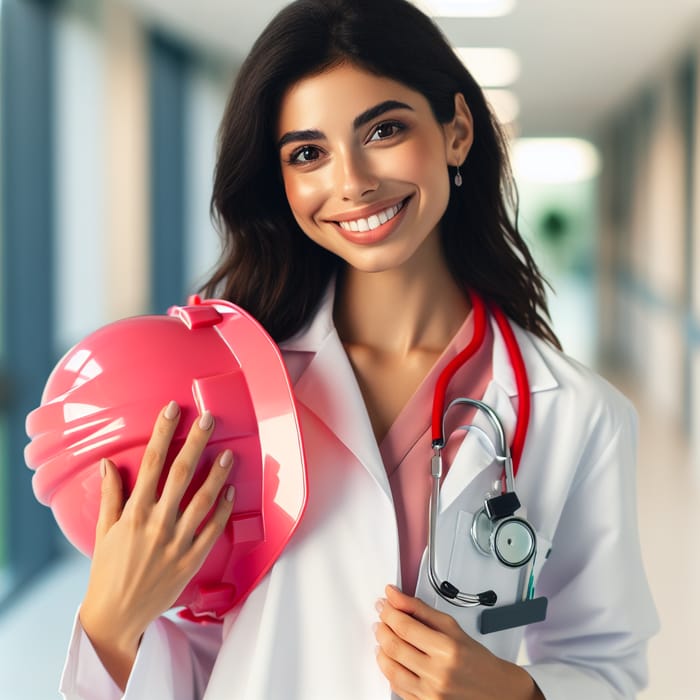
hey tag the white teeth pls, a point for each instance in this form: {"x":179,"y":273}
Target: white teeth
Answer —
{"x":373,"y":221}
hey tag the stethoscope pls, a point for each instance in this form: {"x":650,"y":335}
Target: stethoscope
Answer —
{"x":496,"y":530}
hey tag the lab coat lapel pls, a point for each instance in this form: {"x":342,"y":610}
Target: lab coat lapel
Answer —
{"x":473,"y":455}
{"x":328,"y":387}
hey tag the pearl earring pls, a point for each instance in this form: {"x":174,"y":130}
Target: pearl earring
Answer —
{"x":458,"y":178}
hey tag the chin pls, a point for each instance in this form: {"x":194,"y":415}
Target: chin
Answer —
{"x":374,"y":266}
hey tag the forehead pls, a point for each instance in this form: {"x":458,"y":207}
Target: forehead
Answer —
{"x":337,"y":95}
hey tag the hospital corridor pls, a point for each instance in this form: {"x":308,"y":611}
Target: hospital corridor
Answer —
{"x":109,"y":111}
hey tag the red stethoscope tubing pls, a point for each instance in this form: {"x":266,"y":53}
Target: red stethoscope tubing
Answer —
{"x":518,"y":364}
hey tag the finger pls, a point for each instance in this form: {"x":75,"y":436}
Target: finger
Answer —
{"x":400,"y":650}
{"x":111,"y":499}
{"x":403,"y":682}
{"x":409,"y":628}
{"x":184,"y":465}
{"x":154,"y":455}
{"x":206,"y":539}
{"x":204,"y":499}
{"x":420,"y":611}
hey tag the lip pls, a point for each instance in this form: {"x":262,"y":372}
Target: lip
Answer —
{"x":375,"y":235}
{"x":366,"y":212}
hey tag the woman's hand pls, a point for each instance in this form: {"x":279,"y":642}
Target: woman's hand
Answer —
{"x":425,"y":654}
{"x":148,"y":549}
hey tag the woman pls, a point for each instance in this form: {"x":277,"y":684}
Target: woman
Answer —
{"x":362,"y":189}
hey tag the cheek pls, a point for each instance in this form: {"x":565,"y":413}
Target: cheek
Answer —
{"x":425,"y":164}
{"x":304,"y":196}
{"x":428,"y":168}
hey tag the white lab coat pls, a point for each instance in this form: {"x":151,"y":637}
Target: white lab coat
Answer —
{"x":305,"y":633}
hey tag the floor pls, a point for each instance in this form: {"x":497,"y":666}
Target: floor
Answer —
{"x":33,"y":634}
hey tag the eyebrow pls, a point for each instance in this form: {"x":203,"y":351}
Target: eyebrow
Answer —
{"x":362,"y":119}
{"x":377,"y":111}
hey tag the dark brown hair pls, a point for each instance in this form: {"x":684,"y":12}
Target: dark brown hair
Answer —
{"x":268,"y":265}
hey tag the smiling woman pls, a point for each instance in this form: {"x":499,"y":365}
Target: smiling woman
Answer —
{"x":374,"y":157}
{"x":291,"y":275}
{"x":364,"y":199}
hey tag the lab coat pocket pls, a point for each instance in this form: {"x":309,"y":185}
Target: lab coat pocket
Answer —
{"x":471,"y":571}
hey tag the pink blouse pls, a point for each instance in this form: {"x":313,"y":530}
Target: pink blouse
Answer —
{"x":406,"y":449}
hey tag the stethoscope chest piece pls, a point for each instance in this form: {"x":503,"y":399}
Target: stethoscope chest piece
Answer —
{"x":513,"y":542}
{"x":509,"y":538}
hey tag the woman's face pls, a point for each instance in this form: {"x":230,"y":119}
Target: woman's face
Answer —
{"x":365,"y":164}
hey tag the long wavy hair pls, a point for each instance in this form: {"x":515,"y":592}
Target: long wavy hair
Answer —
{"x":268,"y":265}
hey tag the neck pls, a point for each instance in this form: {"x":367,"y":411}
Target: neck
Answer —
{"x":416,"y":306}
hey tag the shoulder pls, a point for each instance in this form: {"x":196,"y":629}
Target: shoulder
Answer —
{"x":586,"y":397}
{"x":583,"y":430}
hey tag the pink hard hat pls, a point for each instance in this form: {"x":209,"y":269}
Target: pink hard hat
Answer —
{"x":102,"y":399}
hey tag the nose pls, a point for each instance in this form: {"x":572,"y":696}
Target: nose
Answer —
{"x":354,"y":176}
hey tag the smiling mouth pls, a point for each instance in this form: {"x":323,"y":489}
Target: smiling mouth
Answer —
{"x":374,"y":221}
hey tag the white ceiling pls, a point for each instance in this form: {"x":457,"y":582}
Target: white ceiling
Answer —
{"x":580,"y":59}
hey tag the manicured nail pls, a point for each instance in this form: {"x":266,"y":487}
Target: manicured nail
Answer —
{"x":229,"y":494}
{"x":206,"y":420}
{"x":103,"y":467}
{"x":172,"y":410}
{"x":226,"y":459}
{"x":379,"y":605}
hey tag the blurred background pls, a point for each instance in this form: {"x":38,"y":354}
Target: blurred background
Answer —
{"x":108,"y":119}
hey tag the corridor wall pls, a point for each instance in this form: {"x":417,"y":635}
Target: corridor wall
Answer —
{"x":650,"y":242}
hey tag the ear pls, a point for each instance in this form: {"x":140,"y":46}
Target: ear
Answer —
{"x":459,"y":133}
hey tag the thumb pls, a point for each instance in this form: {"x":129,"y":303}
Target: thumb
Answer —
{"x":419,"y":610}
{"x":111,"y":500}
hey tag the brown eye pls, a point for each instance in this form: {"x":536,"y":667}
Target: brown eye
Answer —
{"x":305,"y":154}
{"x":386,"y":130}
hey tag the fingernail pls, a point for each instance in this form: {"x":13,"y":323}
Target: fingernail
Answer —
{"x":230,"y":491}
{"x":103,"y":467}
{"x":171,"y":410}
{"x":226,"y":459}
{"x":379,"y":605}
{"x":392,"y":587}
{"x":206,"y":420}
